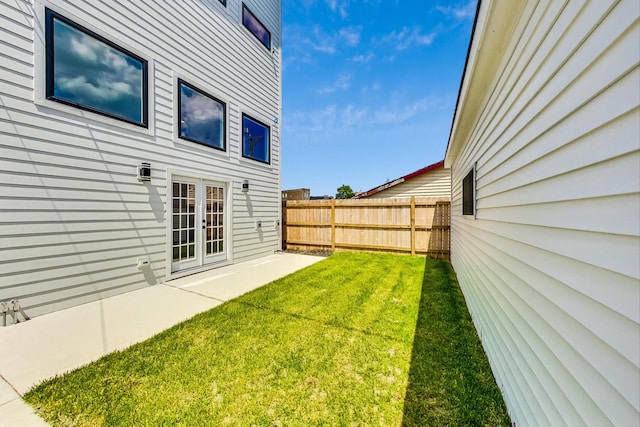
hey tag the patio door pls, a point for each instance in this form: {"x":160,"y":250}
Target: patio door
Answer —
{"x":198,"y":223}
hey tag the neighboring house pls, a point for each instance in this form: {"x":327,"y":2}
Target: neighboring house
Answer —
{"x":297,"y":194}
{"x":431,"y":181}
{"x":134,"y":131}
{"x":544,"y":154}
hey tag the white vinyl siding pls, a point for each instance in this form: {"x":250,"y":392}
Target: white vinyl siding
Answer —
{"x":436,"y":183}
{"x":73,"y":217}
{"x":550,"y":267}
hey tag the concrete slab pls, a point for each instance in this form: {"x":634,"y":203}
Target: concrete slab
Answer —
{"x":7,"y":393}
{"x":55,"y":343}
{"x":17,"y":413}
{"x":233,"y":281}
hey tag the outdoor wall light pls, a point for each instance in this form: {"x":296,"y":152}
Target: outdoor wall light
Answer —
{"x":144,"y":172}
{"x":245,"y":186}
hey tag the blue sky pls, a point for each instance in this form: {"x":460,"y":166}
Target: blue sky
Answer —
{"x":369,"y":88}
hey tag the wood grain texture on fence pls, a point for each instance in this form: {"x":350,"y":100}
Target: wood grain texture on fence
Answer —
{"x":416,"y":225}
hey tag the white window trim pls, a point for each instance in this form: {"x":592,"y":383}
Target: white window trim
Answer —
{"x":168,"y":212}
{"x":190,"y":145}
{"x":40,"y":72}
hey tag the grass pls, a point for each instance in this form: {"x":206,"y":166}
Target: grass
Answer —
{"x":355,"y":340}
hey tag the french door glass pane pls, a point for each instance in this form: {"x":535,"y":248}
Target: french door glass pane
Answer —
{"x":215,"y":229}
{"x":184,"y":202}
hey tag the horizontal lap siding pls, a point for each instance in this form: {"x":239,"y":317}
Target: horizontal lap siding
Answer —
{"x":436,"y":183}
{"x":73,"y":217}
{"x":550,"y":266}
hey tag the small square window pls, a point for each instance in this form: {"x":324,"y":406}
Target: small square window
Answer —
{"x":255,"y":140}
{"x":468,"y":193}
{"x":256,"y":27}
{"x":89,"y":72}
{"x":201,"y":117}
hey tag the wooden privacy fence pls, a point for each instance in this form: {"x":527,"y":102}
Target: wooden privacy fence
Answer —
{"x":416,"y":225}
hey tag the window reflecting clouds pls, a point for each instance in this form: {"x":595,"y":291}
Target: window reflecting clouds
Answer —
{"x":89,"y":72}
{"x":255,"y":26}
{"x":202,"y":117}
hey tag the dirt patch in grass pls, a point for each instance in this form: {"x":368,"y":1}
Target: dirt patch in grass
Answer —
{"x":319,"y":252}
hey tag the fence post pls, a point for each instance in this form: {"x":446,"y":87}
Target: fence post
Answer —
{"x":413,"y":225}
{"x":333,"y":225}
{"x":283,"y":224}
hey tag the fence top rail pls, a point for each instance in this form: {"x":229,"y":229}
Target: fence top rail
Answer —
{"x":403,"y":202}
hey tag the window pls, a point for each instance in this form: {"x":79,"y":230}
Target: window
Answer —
{"x":201,"y":117}
{"x":87,"y":71}
{"x":255,"y":139}
{"x":468,"y":193}
{"x":224,"y":2}
{"x":252,"y":23}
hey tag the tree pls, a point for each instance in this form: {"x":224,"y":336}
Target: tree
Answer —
{"x":345,"y":192}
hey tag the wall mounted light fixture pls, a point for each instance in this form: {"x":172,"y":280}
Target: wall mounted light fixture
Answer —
{"x":245,"y":186}
{"x":144,"y":172}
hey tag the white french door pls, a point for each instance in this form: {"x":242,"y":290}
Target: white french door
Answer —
{"x":198,"y":223}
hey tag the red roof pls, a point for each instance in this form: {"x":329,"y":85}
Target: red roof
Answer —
{"x":400,"y":180}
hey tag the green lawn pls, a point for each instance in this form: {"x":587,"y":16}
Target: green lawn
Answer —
{"x":354,"y":340}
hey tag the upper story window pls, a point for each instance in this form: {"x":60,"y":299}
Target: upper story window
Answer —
{"x":89,"y":72}
{"x":468,"y":193}
{"x":254,"y":25}
{"x":255,"y":140}
{"x":201,"y":117}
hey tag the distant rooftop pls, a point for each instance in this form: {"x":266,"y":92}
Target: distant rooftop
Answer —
{"x":400,"y":180}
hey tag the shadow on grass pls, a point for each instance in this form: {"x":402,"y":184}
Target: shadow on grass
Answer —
{"x":450,"y":381}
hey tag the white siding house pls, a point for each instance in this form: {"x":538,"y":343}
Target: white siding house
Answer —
{"x":90,"y":90}
{"x":431,"y":181}
{"x":545,"y":160}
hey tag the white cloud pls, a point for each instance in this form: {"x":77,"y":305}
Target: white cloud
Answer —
{"x":319,"y":124}
{"x":83,"y":89}
{"x":85,"y":47}
{"x":350,"y":35}
{"x":330,"y":43}
{"x":338,"y":6}
{"x":199,"y":108}
{"x":363,"y":58}
{"x":407,"y":38}
{"x":460,"y":12}
{"x":352,"y":115}
{"x":343,"y":82}
{"x":400,"y":113}
{"x":373,"y":87}
{"x":329,"y":48}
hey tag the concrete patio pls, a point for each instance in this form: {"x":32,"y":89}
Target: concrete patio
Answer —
{"x":55,"y":343}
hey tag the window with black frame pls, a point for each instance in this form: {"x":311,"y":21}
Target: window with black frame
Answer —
{"x":201,"y":117}
{"x":255,"y":140}
{"x":257,"y":28}
{"x":87,"y":71}
{"x":468,"y":193}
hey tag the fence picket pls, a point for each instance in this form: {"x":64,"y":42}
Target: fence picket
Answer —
{"x":419,"y":225}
